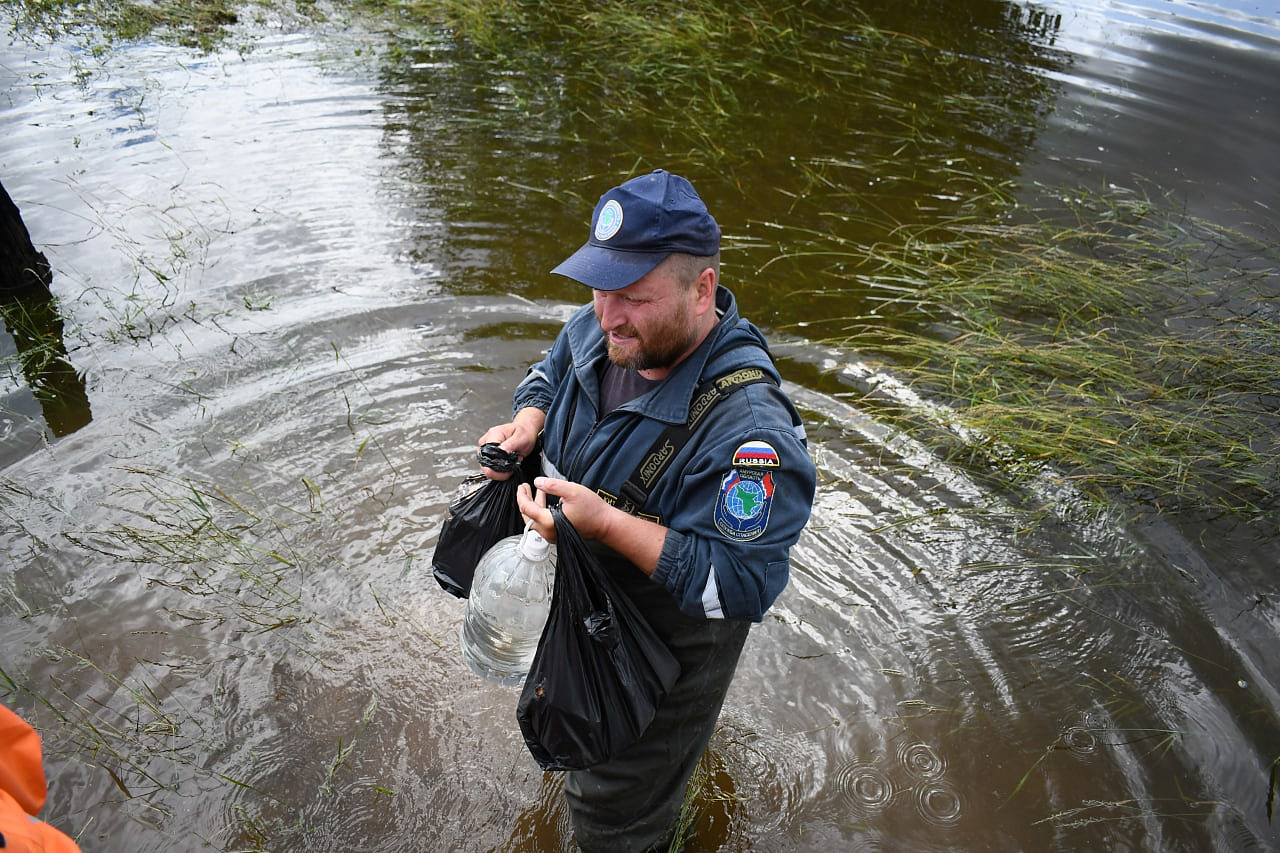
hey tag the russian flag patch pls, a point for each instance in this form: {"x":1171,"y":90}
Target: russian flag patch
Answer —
{"x":756,"y":454}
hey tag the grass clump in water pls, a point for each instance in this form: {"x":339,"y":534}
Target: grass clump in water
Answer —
{"x":671,"y":62}
{"x":1130,"y":353}
{"x":193,"y":23}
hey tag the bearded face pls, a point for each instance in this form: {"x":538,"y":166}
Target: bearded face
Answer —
{"x":651,"y":343}
{"x":652,"y":324}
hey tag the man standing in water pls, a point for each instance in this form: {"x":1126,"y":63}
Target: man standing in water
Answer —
{"x":706,"y":552}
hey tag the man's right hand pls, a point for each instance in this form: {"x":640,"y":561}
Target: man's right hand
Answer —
{"x":520,"y":436}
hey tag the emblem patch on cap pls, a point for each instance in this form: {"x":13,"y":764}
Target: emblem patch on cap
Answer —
{"x":610,"y":220}
{"x":746,"y":492}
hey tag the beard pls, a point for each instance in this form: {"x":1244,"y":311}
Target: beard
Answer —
{"x":662,"y":348}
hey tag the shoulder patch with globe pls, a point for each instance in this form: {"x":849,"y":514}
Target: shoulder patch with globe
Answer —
{"x":746,"y":492}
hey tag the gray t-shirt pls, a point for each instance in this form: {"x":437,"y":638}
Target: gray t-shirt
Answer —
{"x":619,"y":385}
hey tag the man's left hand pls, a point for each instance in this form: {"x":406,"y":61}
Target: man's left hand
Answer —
{"x":584,"y":509}
{"x":637,"y":539}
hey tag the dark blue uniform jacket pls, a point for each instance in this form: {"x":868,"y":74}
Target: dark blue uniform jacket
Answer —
{"x":735,"y":498}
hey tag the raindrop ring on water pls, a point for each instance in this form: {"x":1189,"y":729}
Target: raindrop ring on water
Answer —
{"x":938,"y":803}
{"x":865,"y":787}
{"x":1080,"y":740}
{"x":921,"y":761}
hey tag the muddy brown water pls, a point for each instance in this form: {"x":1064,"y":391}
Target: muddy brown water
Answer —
{"x":296,"y":282}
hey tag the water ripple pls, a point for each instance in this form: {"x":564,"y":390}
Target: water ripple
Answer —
{"x":921,"y":761}
{"x":864,"y":787}
{"x":939,"y":803}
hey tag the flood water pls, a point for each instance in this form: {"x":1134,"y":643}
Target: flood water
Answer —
{"x":295,"y":283}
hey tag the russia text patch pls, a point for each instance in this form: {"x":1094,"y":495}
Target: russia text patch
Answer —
{"x":758,"y":454}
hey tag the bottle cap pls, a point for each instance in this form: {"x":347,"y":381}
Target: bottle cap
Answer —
{"x":533,"y":546}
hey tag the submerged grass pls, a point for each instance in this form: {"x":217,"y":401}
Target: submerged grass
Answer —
{"x":194,"y":23}
{"x":1131,"y":352}
{"x":699,"y":52}
{"x":700,"y":48}
{"x":685,"y":73}
{"x":679,"y":66}
{"x":232,"y":574}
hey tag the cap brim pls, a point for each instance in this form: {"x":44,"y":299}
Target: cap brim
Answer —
{"x":606,"y":269}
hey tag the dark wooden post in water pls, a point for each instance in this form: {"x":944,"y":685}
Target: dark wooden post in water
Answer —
{"x":31,"y":317}
{"x":22,"y":267}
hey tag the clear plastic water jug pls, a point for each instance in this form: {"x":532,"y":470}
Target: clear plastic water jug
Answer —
{"x":508,"y":606}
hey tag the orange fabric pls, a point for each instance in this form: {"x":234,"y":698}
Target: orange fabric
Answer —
{"x":21,"y":771}
{"x":22,"y":833}
{"x":23,"y":791}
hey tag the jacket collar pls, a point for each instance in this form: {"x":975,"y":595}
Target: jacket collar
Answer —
{"x":669,"y":401}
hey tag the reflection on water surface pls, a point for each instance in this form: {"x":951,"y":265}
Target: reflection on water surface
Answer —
{"x":298,"y":284}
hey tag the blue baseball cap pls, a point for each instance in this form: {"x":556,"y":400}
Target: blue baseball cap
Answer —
{"x":635,"y":227}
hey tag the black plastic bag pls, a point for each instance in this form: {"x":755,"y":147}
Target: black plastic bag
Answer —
{"x":479,"y":519}
{"x":600,"y":671}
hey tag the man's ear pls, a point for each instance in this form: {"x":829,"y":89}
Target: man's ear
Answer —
{"x":706,"y":287}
